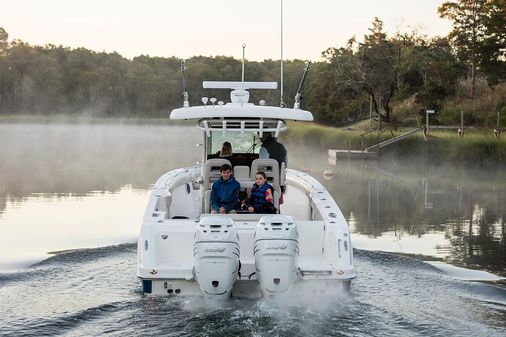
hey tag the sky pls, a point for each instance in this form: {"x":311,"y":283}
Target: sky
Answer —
{"x":212,"y":27}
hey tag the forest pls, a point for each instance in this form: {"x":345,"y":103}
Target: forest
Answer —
{"x":395,"y":77}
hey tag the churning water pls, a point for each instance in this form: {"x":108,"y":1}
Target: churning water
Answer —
{"x":95,"y":292}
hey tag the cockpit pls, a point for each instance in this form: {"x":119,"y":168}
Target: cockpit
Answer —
{"x":244,"y":136}
{"x":244,"y":148}
{"x":242,"y":124}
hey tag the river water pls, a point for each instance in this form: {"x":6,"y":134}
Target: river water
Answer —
{"x":429,"y":241}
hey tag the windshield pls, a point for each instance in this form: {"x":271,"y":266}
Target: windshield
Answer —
{"x":248,"y":142}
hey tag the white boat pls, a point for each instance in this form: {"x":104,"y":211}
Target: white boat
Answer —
{"x":185,"y":250}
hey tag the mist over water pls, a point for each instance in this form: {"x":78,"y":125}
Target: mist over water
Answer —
{"x":80,"y":186}
{"x":416,"y":206}
{"x":68,"y":186}
{"x":78,"y":158}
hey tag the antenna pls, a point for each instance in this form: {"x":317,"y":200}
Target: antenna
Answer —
{"x":281,"y":103}
{"x":185,"y":93}
{"x":242,"y":77}
{"x":243,"y":48}
{"x":298,"y":96}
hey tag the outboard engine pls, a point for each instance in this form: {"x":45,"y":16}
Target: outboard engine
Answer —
{"x":276,"y":251}
{"x":216,"y":253}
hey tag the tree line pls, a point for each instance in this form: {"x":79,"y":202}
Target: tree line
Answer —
{"x":396,"y":77}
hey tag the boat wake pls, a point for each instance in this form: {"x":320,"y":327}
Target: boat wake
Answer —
{"x":95,"y":292}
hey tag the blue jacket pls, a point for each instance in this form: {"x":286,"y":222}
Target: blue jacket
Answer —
{"x":225,"y":194}
{"x":258,"y":195}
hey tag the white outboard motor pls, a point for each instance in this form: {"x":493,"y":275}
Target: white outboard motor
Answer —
{"x":216,"y":253}
{"x":276,"y":251}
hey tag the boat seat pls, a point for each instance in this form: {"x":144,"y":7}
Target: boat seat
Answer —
{"x":239,"y":217}
{"x":211,"y":171}
{"x":282,"y":175}
{"x":245,"y":177}
{"x":207,"y":195}
{"x":241,"y":172}
{"x":207,"y":202}
{"x":271,"y":169}
{"x":245,"y":186}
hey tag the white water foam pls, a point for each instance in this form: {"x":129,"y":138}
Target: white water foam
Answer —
{"x":463,"y":273}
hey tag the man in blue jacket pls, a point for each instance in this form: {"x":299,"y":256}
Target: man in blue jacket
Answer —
{"x":225,"y":192}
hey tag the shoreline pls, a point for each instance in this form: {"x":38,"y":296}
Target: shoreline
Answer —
{"x":82,"y":119}
{"x":477,"y":147}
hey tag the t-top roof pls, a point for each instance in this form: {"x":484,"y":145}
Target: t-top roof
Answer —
{"x":239,"y":111}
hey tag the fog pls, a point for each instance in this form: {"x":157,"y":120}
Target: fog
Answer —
{"x":78,"y":158}
{"x":416,"y":205}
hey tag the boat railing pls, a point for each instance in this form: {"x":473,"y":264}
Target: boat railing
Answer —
{"x":242,"y":126}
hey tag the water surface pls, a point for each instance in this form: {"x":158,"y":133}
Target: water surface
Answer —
{"x":83,"y":189}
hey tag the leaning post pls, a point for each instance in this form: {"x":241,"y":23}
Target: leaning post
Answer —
{"x":427,"y":112}
{"x":497,"y":130}
{"x":461,"y":130}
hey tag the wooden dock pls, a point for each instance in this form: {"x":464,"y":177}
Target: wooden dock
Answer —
{"x":370,"y":152}
{"x":351,"y":154}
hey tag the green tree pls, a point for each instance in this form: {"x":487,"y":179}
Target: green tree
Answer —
{"x":4,"y":43}
{"x":478,"y":34}
{"x":493,"y":50}
{"x":6,"y":73}
{"x":370,"y":68}
{"x":333,"y":97}
{"x":22,"y":58}
{"x":429,"y":71}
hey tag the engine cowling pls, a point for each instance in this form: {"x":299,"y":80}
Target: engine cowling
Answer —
{"x":276,"y":251}
{"x":216,"y":254}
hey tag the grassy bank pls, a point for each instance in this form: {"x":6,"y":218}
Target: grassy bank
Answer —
{"x":478,"y":146}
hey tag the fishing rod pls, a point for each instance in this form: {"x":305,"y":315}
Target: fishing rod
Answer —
{"x":298,"y":96}
{"x":186,"y":103}
{"x":281,"y":102}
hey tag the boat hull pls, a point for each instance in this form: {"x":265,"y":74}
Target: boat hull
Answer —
{"x":249,"y":289}
{"x":166,"y":261}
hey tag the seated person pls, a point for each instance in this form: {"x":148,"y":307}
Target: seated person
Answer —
{"x":226,"y":150}
{"x":224,"y":192}
{"x":262,"y":195}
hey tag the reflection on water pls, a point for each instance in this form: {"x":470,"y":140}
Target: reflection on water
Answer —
{"x":79,"y":186}
{"x":57,"y":158}
{"x":448,"y":212}
{"x":42,"y":223}
{"x":74,"y":186}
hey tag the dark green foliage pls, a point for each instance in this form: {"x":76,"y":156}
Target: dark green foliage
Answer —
{"x":395,"y":77}
{"x":479,"y":37}
{"x":429,"y":71}
{"x":365,"y":70}
{"x":50,"y":80}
